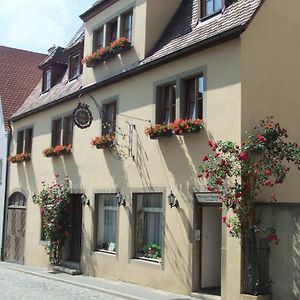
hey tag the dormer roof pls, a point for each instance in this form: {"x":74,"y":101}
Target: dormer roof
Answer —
{"x":57,"y":55}
{"x":96,"y":8}
{"x":77,"y":39}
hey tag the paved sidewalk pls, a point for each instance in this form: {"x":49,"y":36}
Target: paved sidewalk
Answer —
{"x":121,"y":290}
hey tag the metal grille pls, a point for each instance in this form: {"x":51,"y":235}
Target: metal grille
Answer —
{"x":255,"y":266}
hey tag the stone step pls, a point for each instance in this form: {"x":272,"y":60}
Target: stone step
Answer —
{"x":68,"y":270}
{"x":204,"y":296}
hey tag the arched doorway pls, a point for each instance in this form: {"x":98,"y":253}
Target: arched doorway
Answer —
{"x":15,"y":229}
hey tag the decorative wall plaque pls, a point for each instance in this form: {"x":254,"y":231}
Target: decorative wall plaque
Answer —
{"x":82,"y":116}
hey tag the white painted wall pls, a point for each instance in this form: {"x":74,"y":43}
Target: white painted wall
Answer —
{"x":3,"y":155}
{"x":211,"y":247}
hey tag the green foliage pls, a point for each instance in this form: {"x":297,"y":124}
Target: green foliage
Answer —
{"x":54,"y":204}
{"x":152,"y":250}
{"x":239,"y":173}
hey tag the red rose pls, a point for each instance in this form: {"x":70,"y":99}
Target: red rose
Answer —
{"x":268,"y":172}
{"x":224,"y":219}
{"x":260,"y":138}
{"x":205,"y":158}
{"x":267,"y":183}
{"x":242,"y":156}
{"x":210,"y":144}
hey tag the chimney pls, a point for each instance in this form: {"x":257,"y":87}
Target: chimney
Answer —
{"x":50,"y":50}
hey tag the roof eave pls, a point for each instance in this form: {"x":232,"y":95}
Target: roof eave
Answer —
{"x":202,"y":45}
{"x":94,"y":10}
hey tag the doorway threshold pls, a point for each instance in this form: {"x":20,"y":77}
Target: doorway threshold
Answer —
{"x":207,"y":294}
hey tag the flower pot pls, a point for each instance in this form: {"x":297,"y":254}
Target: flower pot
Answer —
{"x":105,"y":145}
{"x":158,"y":135}
{"x":121,"y":49}
{"x":106,"y":56}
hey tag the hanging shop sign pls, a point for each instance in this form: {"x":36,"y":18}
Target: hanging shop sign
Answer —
{"x":205,"y":197}
{"x":82,"y":116}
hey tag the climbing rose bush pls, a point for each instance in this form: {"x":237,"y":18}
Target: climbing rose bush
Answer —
{"x":54,"y":202}
{"x":238,"y":174}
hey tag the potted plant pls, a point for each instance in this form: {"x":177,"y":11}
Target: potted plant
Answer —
{"x":158,"y":130}
{"x":104,"y":141}
{"x":57,"y":150}
{"x":24,"y":156}
{"x":181,"y":126}
{"x":120,"y":45}
{"x":98,"y":56}
{"x":152,"y":250}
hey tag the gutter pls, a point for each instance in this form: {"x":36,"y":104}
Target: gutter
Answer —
{"x":222,"y":37}
{"x":9,"y":135}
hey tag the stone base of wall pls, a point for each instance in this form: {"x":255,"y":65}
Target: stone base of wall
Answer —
{"x":260,"y":297}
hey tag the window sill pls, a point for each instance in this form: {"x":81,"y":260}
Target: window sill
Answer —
{"x":146,"y":262}
{"x":204,"y":18}
{"x":105,"y":253}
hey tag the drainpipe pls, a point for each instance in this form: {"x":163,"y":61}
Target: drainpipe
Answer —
{"x":9,"y":134}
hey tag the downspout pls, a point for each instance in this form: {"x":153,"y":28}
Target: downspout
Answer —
{"x":9,"y":134}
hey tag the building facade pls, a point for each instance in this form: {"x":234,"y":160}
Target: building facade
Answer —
{"x":18,"y":77}
{"x":214,"y":60}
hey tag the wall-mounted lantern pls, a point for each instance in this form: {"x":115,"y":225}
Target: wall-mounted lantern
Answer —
{"x":84,"y":200}
{"x":121,"y":200}
{"x":172,"y":200}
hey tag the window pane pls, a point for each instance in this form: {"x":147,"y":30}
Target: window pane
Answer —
{"x":167,"y":104}
{"x":191,"y":101}
{"x":46,"y":80}
{"x":209,"y":7}
{"x":148,"y":225}
{"x":68,"y":131}
{"x":217,"y":5}
{"x":107,"y":222}
{"x":112,"y":29}
{"x":109,"y":119}
{"x":20,"y":141}
{"x":98,"y":39}
{"x":56,"y":132}
{"x":28,"y":140}
{"x":74,"y":66}
{"x":127,"y":26}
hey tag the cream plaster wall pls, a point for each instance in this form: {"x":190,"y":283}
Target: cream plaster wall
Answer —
{"x":149,"y":20}
{"x":168,"y":164}
{"x":270,"y":76}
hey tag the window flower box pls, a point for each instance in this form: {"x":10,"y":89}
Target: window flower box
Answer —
{"x":181,"y":126}
{"x":158,"y":131}
{"x":120,"y":45}
{"x":104,"y":141}
{"x":97,"y":57}
{"x":58,"y":150}
{"x":20,"y":157}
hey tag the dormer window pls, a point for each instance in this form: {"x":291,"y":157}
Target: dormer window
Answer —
{"x":74,"y":69}
{"x":210,"y":7}
{"x":111,"y":31}
{"x":127,"y":25}
{"x":46,"y":80}
{"x":98,"y":39}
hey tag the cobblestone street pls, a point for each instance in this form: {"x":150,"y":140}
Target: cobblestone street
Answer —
{"x":17,"y":285}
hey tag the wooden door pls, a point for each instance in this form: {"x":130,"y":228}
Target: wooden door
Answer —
{"x":76,"y":221}
{"x":15,"y":230}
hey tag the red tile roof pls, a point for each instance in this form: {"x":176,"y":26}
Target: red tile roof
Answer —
{"x":18,"y":77}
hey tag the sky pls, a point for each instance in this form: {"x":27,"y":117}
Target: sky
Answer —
{"x":36,"y":25}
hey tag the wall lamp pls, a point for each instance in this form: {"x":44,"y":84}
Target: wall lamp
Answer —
{"x":84,"y":200}
{"x":120,"y":198}
{"x":172,"y":200}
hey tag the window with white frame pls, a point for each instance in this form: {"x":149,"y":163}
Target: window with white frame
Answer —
{"x":210,"y":7}
{"x":148,"y":226}
{"x":107,"y":211}
{"x":126,"y":30}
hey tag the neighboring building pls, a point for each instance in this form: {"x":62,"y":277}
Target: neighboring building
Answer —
{"x":228,"y":62}
{"x":18,"y":77}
